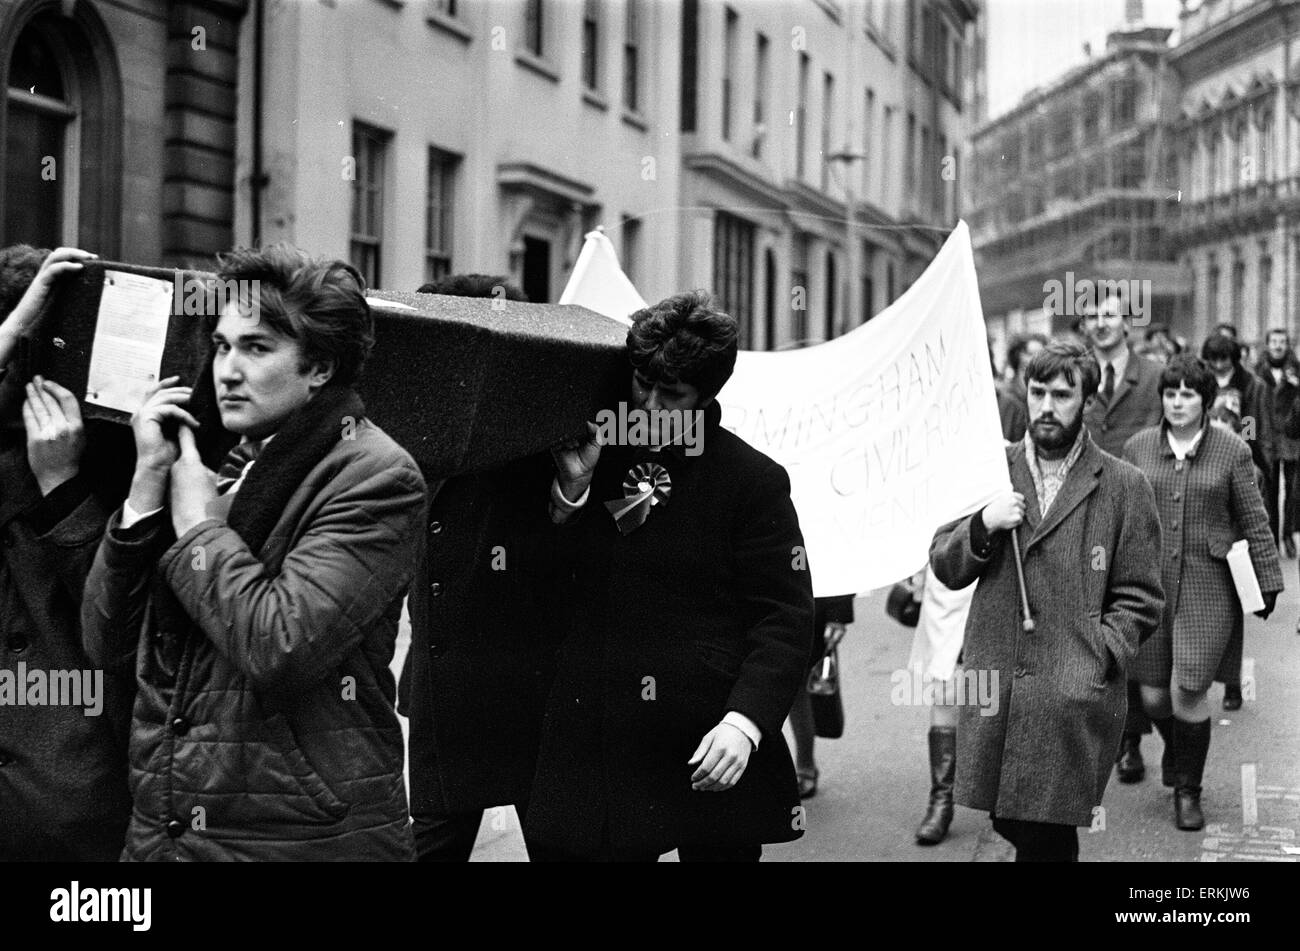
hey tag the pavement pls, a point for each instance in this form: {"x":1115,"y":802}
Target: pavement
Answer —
{"x":875,"y":780}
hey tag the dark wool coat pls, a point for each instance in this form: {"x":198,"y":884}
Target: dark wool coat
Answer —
{"x":264,"y":723}
{"x":482,"y":643}
{"x":1281,"y":396}
{"x":1135,"y":405}
{"x":63,"y":786}
{"x":1256,"y":404}
{"x":1206,"y":503}
{"x":705,"y":608}
{"x":1093,"y":578}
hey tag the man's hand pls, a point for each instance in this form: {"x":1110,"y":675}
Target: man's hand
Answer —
{"x":575,"y":461}
{"x":57,"y":263}
{"x":1291,"y":377}
{"x":154,"y":451}
{"x":1005,"y":512}
{"x":834,"y":633}
{"x":1270,"y":602}
{"x":55,"y":435}
{"x":193,"y":485}
{"x":722,"y":755}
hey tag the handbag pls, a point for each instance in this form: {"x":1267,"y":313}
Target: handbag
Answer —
{"x":823,"y":686}
{"x":901,"y":606}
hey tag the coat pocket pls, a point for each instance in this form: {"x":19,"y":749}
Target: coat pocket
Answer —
{"x":303,"y":772}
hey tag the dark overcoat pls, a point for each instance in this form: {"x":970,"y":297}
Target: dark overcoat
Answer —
{"x":63,"y":775}
{"x":482,"y":642}
{"x":1206,"y":502}
{"x":1093,"y":577}
{"x":704,"y":609}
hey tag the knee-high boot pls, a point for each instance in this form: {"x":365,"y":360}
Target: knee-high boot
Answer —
{"x":943,"y":767}
{"x":1191,"y":745}
{"x":1168,"y":768}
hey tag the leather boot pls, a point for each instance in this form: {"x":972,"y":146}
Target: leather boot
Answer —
{"x":1168,"y":773}
{"x":1231,"y":697}
{"x":1191,"y":744}
{"x":1129,"y":763}
{"x":943,"y":766}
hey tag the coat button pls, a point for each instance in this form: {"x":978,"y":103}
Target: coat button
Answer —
{"x":175,"y":828}
{"x":180,"y":726}
{"x":435,"y":528}
{"x":17,"y":643}
{"x":435,"y":589}
{"x":1177,"y":496}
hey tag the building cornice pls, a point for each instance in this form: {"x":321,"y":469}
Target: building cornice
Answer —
{"x":526,"y":176}
{"x":730,"y":173}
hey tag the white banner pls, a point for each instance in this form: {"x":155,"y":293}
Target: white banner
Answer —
{"x":887,"y":432}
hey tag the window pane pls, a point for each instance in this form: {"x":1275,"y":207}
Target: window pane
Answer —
{"x":34,"y":211}
{"x":35,"y":67}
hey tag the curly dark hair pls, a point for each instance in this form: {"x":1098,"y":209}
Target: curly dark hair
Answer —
{"x":684,"y":338}
{"x":321,"y":304}
{"x":18,"y":266}
{"x":473,"y":285}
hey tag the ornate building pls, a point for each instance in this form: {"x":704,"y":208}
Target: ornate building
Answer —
{"x":1074,"y":185}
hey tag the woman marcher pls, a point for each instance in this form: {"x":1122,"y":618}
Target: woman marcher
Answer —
{"x":831,"y":618}
{"x":1204,"y":480}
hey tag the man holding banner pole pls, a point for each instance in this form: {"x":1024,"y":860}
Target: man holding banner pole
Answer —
{"x":1089,"y":533}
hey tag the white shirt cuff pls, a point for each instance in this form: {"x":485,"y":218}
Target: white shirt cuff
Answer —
{"x":745,"y":725}
{"x":130,"y":516}
{"x":562,"y":508}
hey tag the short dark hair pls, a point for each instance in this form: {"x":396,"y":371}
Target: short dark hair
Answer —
{"x":1226,"y":330}
{"x":1196,"y":373}
{"x":685,"y":338}
{"x":474,"y":285}
{"x":319,"y":303}
{"x":1279,"y":330}
{"x":1217,"y":346}
{"x":18,"y":266}
{"x":1068,"y":358}
{"x":1017,"y":347}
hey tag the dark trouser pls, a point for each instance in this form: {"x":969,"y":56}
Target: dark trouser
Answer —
{"x":1284,"y":471}
{"x":1039,"y":841}
{"x":1136,"y":722}
{"x":450,"y":838}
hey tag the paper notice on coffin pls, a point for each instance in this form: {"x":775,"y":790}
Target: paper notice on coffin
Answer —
{"x":130,"y":333}
{"x":1243,"y":576}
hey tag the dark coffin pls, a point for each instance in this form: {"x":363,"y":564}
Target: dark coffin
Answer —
{"x":463,"y":383}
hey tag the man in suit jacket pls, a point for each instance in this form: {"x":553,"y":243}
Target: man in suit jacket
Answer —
{"x":1279,"y":371}
{"x":1128,"y":399}
{"x":1040,"y":762}
{"x":692,"y":623}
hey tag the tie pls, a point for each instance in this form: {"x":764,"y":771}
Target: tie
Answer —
{"x":236,"y":461}
{"x":1108,"y":388}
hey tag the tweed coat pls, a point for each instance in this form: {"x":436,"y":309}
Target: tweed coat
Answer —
{"x":1093,"y":581}
{"x":704,"y":609}
{"x":264,"y":726}
{"x":1135,"y":405}
{"x":1206,"y":503}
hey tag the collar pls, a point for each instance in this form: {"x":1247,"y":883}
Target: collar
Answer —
{"x":1196,"y":440}
{"x":710,"y":422}
{"x":1120,"y":362}
{"x":1071,"y":457}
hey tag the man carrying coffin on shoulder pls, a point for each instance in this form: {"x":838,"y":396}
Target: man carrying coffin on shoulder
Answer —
{"x":691,"y":627}
{"x":1090,"y":537}
{"x":259,"y":607}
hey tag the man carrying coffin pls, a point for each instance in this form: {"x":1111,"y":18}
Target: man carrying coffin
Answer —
{"x":691,"y":628}
{"x":1091,"y":553}
{"x":260,"y":608}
